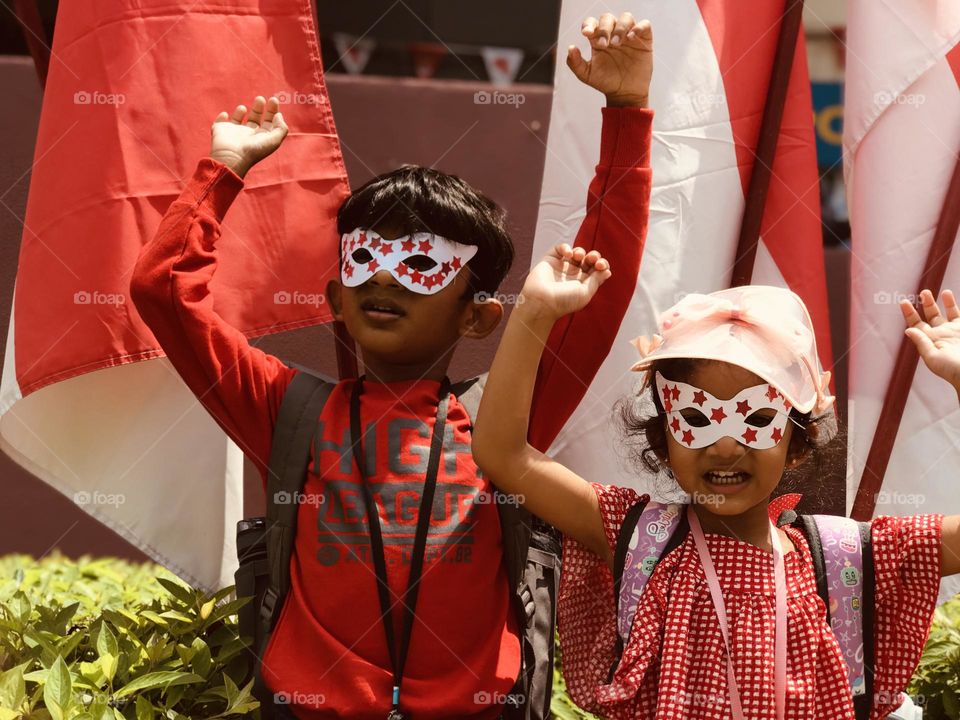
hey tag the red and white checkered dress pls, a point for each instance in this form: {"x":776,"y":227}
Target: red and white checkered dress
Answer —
{"x":674,"y":665}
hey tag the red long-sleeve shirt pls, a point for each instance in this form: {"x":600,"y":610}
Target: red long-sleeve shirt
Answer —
{"x":328,"y":651}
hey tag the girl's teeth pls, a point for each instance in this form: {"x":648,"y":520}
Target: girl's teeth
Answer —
{"x":726,"y":478}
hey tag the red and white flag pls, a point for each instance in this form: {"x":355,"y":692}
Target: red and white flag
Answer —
{"x":712,"y":63}
{"x":502,"y":64}
{"x":901,"y":139}
{"x":354,"y":52}
{"x":89,"y":404}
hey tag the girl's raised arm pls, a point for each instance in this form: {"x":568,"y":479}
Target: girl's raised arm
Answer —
{"x":561,"y":283}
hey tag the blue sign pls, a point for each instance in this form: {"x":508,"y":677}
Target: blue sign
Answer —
{"x":828,"y":122}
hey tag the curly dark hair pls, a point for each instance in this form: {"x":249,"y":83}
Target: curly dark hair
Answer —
{"x":644,"y":435}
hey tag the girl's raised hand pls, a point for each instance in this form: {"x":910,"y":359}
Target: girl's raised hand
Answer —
{"x":938,"y":339}
{"x":621,"y":62}
{"x":241,"y":144}
{"x":565,"y":280}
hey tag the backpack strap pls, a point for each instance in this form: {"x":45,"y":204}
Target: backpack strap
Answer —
{"x":842,"y":553}
{"x":302,"y":403}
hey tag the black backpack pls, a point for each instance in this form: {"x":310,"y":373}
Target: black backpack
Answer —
{"x":643,"y":513}
{"x":265,"y":545}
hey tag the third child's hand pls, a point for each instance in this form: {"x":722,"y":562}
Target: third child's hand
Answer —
{"x":937,"y":339}
{"x":621,"y":62}
{"x":564,"y":281}
{"x":239,"y":144}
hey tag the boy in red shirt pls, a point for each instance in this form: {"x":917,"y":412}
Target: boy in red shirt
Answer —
{"x":422,"y":254}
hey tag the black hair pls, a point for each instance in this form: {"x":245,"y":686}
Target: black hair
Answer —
{"x":645,"y":435}
{"x":414,"y":199}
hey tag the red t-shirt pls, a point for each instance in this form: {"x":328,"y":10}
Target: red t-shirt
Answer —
{"x":328,"y":649}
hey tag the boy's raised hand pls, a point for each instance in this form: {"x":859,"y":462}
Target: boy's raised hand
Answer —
{"x":241,"y":144}
{"x":937,"y":339}
{"x":564,"y":281}
{"x":621,"y":62}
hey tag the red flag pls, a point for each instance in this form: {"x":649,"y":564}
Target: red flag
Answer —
{"x":713,"y":60}
{"x":132,"y":90}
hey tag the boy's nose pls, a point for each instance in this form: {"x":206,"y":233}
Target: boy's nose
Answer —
{"x":383,"y":278}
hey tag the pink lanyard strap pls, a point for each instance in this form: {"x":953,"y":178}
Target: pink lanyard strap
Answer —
{"x":780,"y":630}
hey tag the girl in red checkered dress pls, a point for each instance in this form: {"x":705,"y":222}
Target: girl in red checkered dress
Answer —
{"x":729,"y":623}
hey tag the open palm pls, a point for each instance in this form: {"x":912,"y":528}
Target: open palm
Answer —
{"x":566,"y":279}
{"x":938,"y":338}
{"x":621,"y":62}
{"x":244,"y":143}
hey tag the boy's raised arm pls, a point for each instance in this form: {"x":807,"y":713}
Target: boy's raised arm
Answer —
{"x":616,"y":221}
{"x":240,"y":385}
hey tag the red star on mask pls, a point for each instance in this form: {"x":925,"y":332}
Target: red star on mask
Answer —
{"x":385,"y":247}
{"x":445,"y":268}
{"x":375,"y":245}
{"x":425,"y":246}
{"x":777,"y":435}
{"x":743,"y":407}
{"x":699,"y":397}
{"x":687,"y":437}
{"x":408,"y":245}
{"x":666,"y":393}
{"x":675,"y":392}
{"x":455,"y":263}
{"x":717,"y":415}
{"x":771,"y":392}
{"x":416,"y":277}
{"x":667,"y":405}
{"x":401,"y":270}
{"x":373,"y":265}
{"x":348,"y":270}
{"x":750,"y":435}
{"x":675,"y":425}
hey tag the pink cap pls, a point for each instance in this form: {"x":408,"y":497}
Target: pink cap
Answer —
{"x":766,"y":330}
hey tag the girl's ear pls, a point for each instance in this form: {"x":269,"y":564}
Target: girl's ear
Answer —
{"x":334,"y":289}
{"x":800,"y":446}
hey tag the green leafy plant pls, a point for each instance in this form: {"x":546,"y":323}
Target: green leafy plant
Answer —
{"x":936,"y":682}
{"x":106,"y":639}
{"x":562,"y":706}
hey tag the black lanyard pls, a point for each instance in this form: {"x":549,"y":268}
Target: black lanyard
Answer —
{"x":398,"y":656}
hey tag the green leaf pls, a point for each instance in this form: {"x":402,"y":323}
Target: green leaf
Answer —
{"x":7,"y":714}
{"x":20,"y":606}
{"x":144,"y":708}
{"x":107,"y":641}
{"x":57,"y":691}
{"x":108,"y":664}
{"x":180,"y":591}
{"x":207,"y":608}
{"x":201,"y":662}
{"x":154,"y":680}
{"x":13,"y":688}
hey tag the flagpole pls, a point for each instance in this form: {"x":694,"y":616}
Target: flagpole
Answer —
{"x":767,"y":143}
{"x":907,"y":358}
{"x":36,"y":37}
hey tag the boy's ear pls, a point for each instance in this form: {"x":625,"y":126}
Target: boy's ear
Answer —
{"x":333,"y":297}
{"x":481,"y":317}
